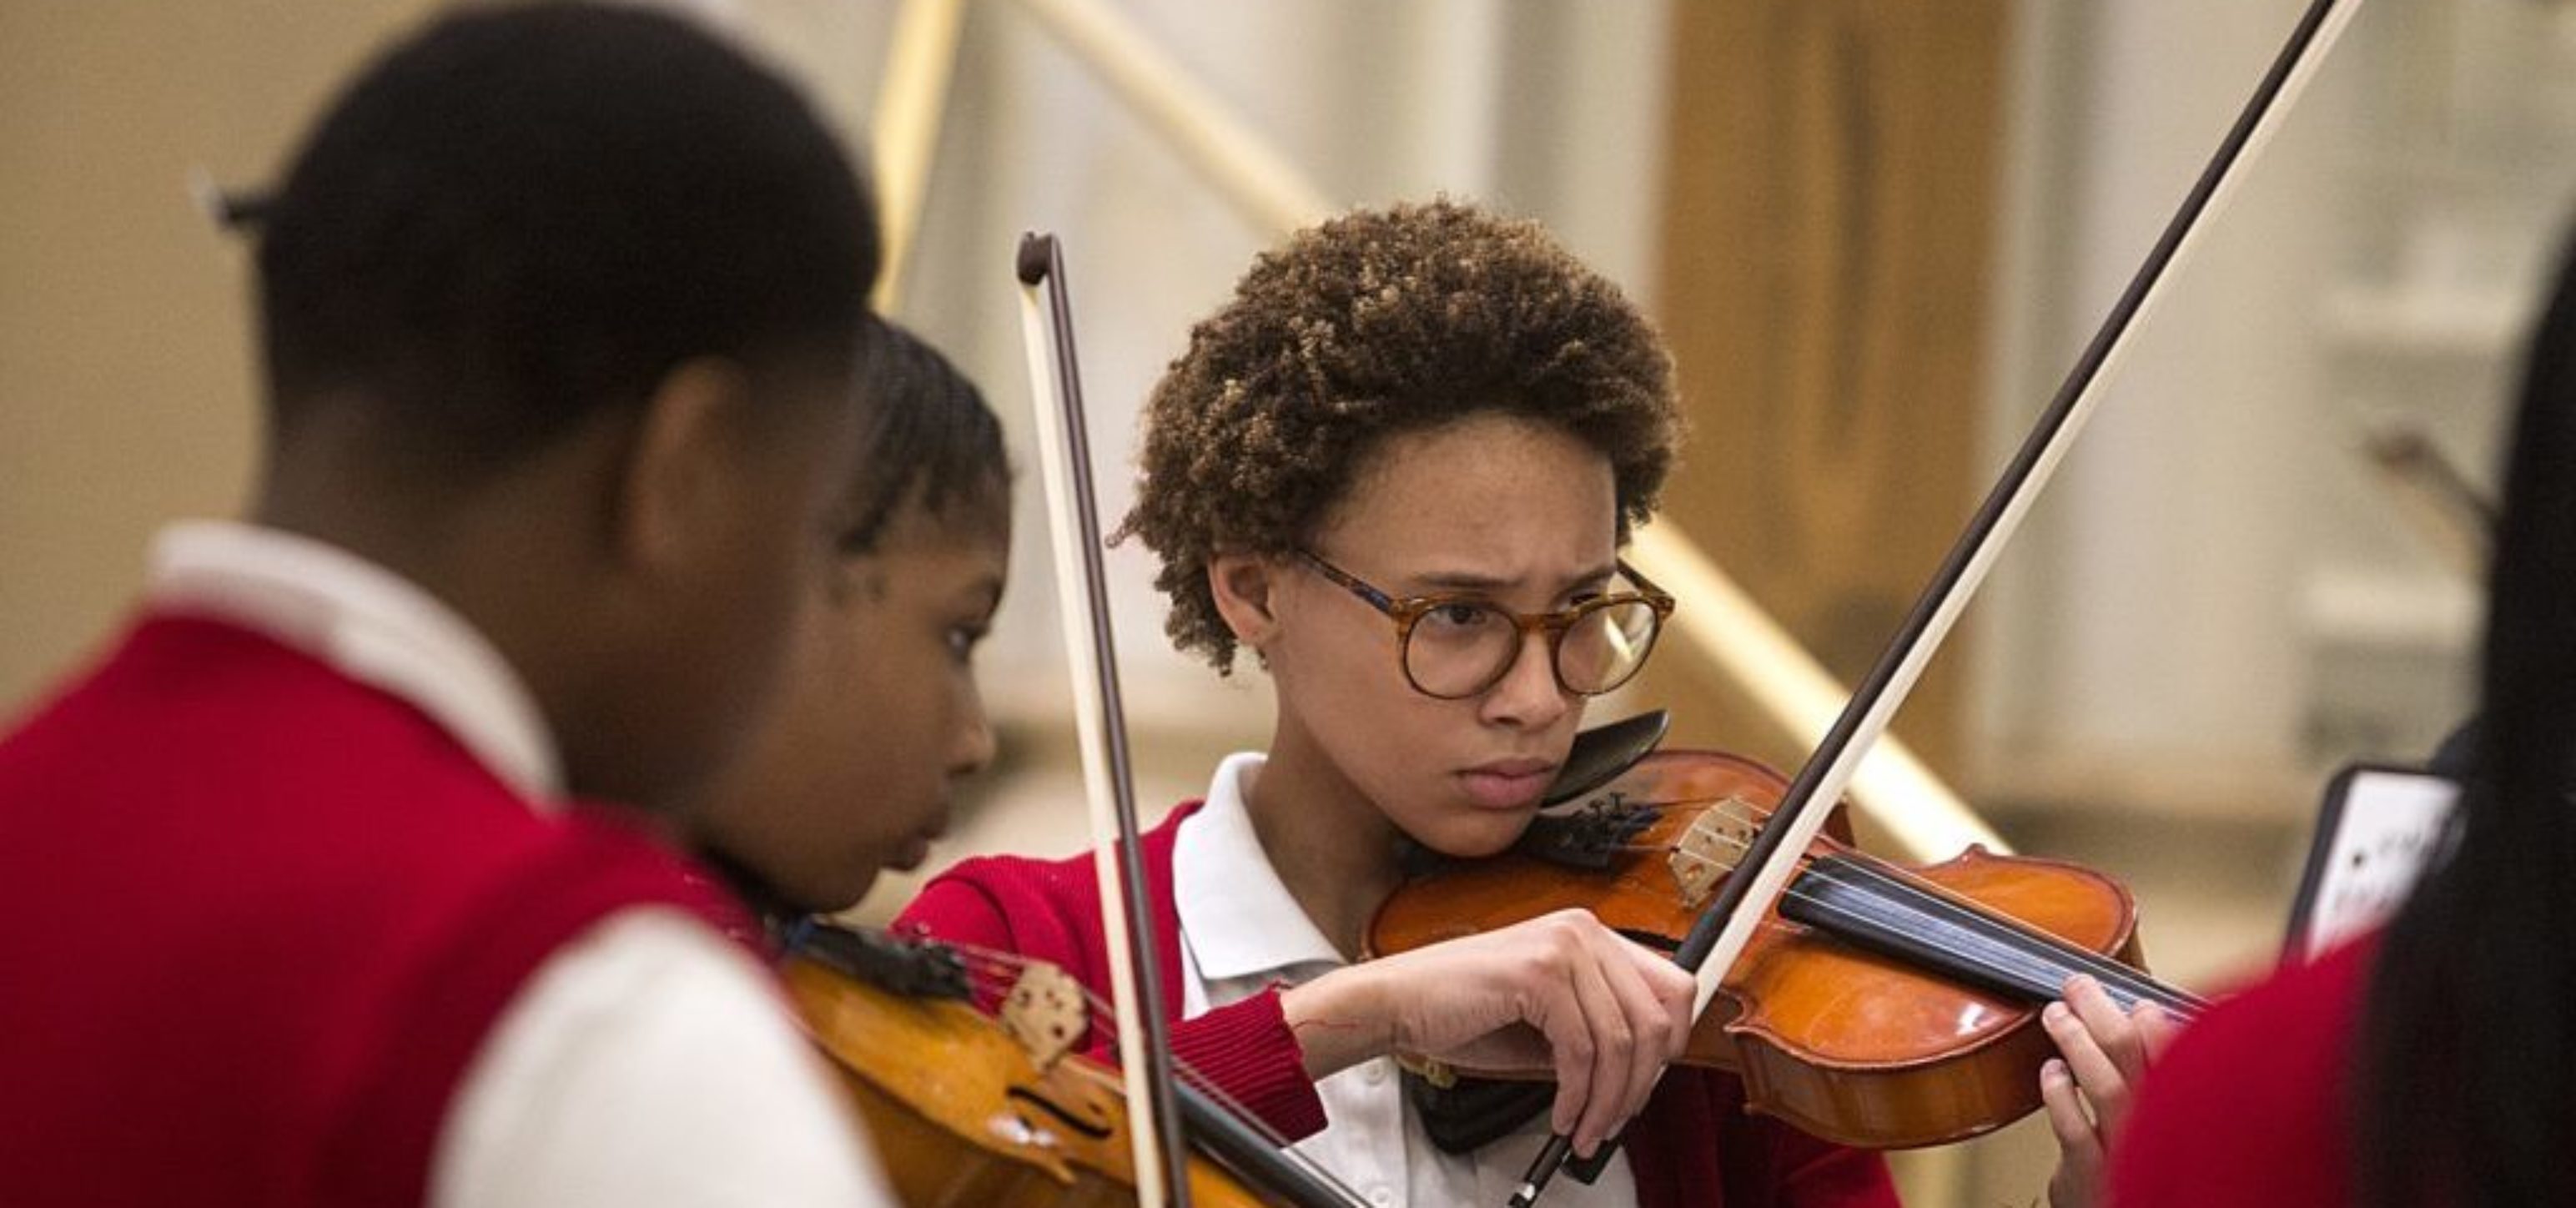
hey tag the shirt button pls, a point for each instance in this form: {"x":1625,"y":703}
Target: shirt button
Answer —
{"x":1374,"y":1072}
{"x":1381,"y":1196}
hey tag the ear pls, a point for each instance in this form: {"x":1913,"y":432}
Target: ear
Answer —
{"x":1242,"y":585}
{"x":681,"y":478}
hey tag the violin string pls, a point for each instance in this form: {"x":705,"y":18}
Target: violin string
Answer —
{"x":998,"y":971}
{"x":2035,"y":970}
{"x":1305,"y":1164}
{"x":2173,"y":999}
{"x":2103,"y":969}
{"x":2111,"y":973}
{"x":995,"y":973}
{"x":1822,"y":905}
{"x":2068,"y":958}
{"x":995,"y":970}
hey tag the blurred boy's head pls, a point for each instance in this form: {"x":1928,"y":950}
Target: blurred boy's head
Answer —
{"x":557,"y":309}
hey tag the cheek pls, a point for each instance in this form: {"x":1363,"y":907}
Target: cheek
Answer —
{"x":795,"y":541}
{"x":865,"y":704}
{"x":820,"y":730}
{"x":1418,"y":738}
{"x":1386,"y":737}
{"x":896,"y":713}
{"x":1335,"y":659}
{"x":1403,"y":750}
{"x":773,"y":602}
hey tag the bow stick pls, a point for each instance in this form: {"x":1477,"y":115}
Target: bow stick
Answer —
{"x":1082,"y":594}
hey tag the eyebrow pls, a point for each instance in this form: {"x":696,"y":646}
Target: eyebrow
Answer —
{"x":1460,"y":580}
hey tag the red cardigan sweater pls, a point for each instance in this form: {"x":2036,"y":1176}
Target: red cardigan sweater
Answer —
{"x":2248,"y":1108}
{"x":1693,"y":1145}
{"x":260,"y":917}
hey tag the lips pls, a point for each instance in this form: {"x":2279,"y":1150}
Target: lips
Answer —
{"x":1507,"y":784}
{"x":916,"y":846}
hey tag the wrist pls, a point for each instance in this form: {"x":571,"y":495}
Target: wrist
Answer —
{"x":1339,"y":1020}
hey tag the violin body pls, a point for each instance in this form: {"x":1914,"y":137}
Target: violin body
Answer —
{"x":1853,"y":1045}
{"x":963,"y":1116}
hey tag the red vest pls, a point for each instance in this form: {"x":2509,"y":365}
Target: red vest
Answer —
{"x":258,"y":919}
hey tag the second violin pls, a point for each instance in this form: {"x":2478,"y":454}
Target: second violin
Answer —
{"x":965,"y":1110}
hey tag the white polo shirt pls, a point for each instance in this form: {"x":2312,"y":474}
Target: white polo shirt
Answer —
{"x":1241,"y":931}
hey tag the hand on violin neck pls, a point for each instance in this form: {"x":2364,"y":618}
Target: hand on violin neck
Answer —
{"x":2088,"y":1090}
{"x":1559,"y":995}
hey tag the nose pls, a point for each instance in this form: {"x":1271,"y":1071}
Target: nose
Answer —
{"x":975,"y":745}
{"x":1528,"y":694}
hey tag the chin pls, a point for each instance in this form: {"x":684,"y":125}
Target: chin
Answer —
{"x":1473,"y":834}
{"x":834,"y":894}
{"x":858,"y":889}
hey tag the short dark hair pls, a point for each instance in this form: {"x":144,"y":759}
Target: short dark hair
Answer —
{"x":520,"y":216}
{"x":933,"y":442}
{"x":1377,"y":323}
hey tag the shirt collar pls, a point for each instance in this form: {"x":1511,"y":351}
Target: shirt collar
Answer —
{"x":1237,"y":917}
{"x":369,"y":623}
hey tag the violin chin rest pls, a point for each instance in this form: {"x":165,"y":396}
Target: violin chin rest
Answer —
{"x":1472,"y":1113}
{"x":1602,"y":752}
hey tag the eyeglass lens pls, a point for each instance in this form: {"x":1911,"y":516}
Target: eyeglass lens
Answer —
{"x":1459,"y":649}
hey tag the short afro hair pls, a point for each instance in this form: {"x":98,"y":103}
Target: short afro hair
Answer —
{"x":520,"y":216}
{"x":1376,"y":323}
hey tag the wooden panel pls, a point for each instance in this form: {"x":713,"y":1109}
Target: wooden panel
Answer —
{"x":1827,"y":228}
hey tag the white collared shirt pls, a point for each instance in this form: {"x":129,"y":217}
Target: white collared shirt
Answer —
{"x":1241,"y":931}
{"x":649,"y":1062}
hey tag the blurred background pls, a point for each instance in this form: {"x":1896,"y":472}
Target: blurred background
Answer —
{"x":1876,"y":232}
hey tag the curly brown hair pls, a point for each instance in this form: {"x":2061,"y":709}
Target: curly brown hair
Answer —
{"x":1376,"y":323}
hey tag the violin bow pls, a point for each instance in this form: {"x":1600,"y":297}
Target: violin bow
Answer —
{"x":1723,"y":930}
{"x":1159,"y":1104}
{"x":1082,"y":594}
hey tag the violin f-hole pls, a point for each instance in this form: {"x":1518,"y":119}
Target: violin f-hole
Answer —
{"x":1097,"y":1130}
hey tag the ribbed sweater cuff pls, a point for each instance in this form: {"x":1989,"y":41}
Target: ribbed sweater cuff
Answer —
{"x":1247,"y":1049}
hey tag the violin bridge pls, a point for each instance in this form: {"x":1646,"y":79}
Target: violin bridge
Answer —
{"x":1045,"y":1013}
{"x":1708,"y":848}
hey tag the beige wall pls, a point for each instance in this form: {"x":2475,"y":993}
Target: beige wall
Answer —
{"x":126,"y":368}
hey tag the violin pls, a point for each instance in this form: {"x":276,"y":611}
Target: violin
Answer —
{"x":967,"y":1110}
{"x":1878,"y":1005}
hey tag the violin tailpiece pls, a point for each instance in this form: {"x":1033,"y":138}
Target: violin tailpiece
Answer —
{"x":1587,"y":837}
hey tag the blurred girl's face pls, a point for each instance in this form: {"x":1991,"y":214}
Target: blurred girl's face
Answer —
{"x":881,"y":715}
{"x":1490,"y":508}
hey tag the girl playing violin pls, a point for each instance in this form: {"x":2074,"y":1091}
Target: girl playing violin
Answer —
{"x":1397,"y":468}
